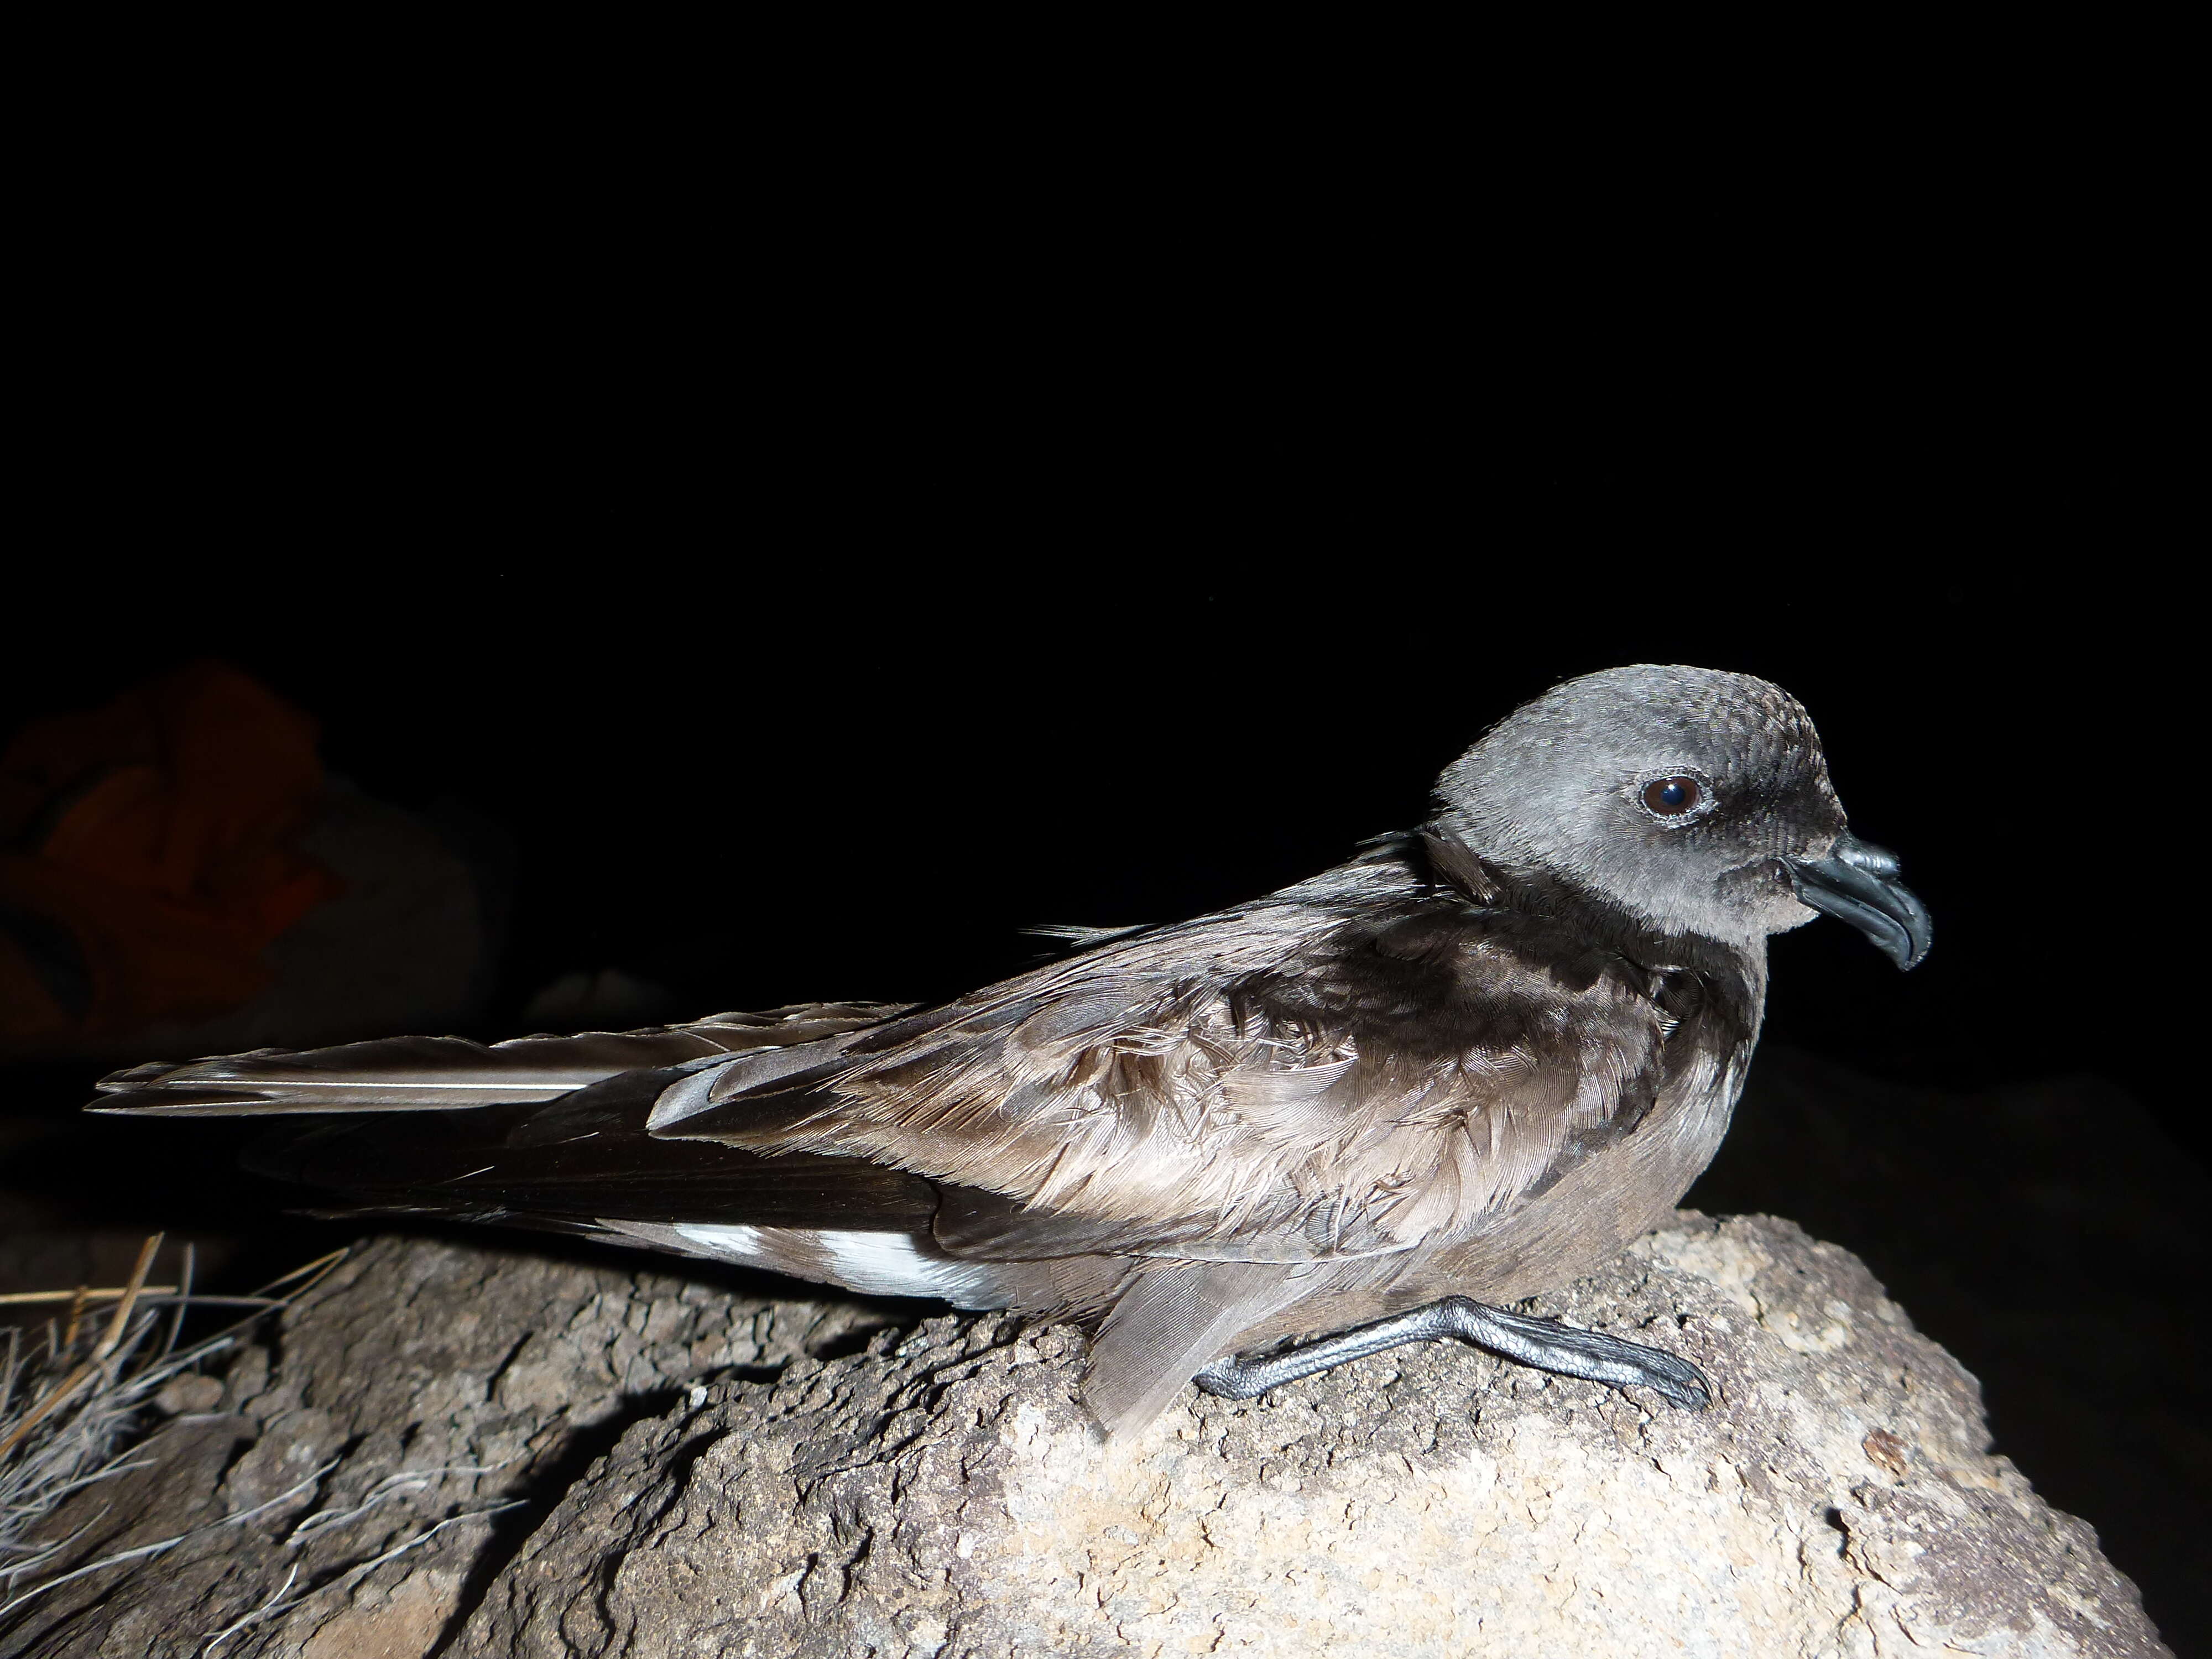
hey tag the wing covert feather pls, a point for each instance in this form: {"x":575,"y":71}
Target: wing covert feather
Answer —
{"x":1292,"y":1085}
{"x":445,"y":1074}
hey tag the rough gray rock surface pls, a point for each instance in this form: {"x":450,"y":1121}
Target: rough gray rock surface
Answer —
{"x":362,"y":1421}
{"x":943,"y":1492}
{"x":2058,"y":1243}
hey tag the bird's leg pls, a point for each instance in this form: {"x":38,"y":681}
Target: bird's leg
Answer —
{"x":1544,"y":1343}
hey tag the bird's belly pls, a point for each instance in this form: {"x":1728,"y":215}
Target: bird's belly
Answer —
{"x":1585,"y":1219}
{"x":1590,"y":1214}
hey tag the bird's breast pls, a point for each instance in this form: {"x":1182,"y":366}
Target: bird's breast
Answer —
{"x":1601,"y":1201}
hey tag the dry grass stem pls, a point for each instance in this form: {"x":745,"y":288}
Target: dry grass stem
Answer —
{"x":71,"y":1407}
{"x":18,"y":1297}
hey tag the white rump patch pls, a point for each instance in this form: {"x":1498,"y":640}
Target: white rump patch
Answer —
{"x":888,"y":1264}
{"x":872,"y":1263}
{"x":739,"y":1243}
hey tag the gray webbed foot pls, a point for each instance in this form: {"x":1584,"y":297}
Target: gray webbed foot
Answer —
{"x":1543,"y":1343}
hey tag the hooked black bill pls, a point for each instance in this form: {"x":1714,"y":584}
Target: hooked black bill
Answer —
{"x":1858,"y":882}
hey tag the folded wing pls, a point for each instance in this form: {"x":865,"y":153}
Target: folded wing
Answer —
{"x":446,"y":1074}
{"x":1167,"y":1130}
{"x":1254,"y":1088}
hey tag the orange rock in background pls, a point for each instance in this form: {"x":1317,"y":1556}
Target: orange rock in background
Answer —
{"x":150,"y":857}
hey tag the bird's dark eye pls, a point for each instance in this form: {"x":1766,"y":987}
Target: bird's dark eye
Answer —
{"x":1671,"y":797}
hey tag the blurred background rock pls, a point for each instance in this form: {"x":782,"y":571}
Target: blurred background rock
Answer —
{"x":182,"y":878}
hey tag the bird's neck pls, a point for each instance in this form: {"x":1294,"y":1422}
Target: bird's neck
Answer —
{"x":1494,"y":883}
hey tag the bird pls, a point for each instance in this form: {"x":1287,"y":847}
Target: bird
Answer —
{"x":1470,"y":1064}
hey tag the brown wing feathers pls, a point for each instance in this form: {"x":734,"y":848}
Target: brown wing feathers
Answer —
{"x":443,"y":1075}
{"x":472,"y":1161}
{"x":1338,"y":1098}
{"x":1178,"y":1125}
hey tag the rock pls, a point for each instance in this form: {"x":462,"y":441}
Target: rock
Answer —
{"x":420,"y":1388}
{"x":401,"y":948}
{"x":2058,"y":1243}
{"x":942,"y":1493}
{"x":191,"y":1392}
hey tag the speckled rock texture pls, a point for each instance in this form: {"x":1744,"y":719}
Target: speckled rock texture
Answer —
{"x":419,"y":1389}
{"x":940,"y":1492}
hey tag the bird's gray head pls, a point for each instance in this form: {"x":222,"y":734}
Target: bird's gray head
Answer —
{"x":1698,"y":800}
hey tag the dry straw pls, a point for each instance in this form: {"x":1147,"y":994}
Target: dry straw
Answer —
{"x":72,"y":1405}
